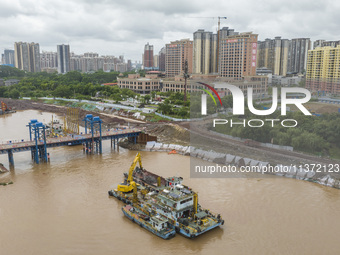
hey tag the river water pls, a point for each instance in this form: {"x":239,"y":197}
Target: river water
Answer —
{"x":63,"y":207}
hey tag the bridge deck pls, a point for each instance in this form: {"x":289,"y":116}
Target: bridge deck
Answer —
{"x":68,"y":140}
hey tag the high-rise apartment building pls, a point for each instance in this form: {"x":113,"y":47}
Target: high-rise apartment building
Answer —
{"x":238,"y":55}
{"x":323,"y":72}
{"x":148,"y":57}
{"x":297,"y":55}
{"x":129,"y":65}
{"x":21,"y":58}
{"x":34,"y":55}
{"x":226,"y":31}
{"x":205,"y":50}
{"x":75,"y":62}
{"x":91,"y":55}
{"x":155,"y":62}
{"x":273,"y":54}
{"x":323,"y":43}
{"x":48,"y":60}
{"x":63,"y":52}
{"x":8,"y":57}
{"x":27,"y":56}
{"x":177,"y":53}
{"x":161,"y":59}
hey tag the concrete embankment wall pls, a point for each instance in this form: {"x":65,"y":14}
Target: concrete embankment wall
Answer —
{"x":261,"y":167}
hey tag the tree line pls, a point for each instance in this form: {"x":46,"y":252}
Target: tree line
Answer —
{"x":70,"y":85}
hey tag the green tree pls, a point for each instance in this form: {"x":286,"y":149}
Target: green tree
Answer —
{"x":183,"y":112}
{"x":73,"y":76}
{"x":165,"y":108}
{"x":14,"y":93}
{"x":63,"y":91}
{"x":147,"y":98}
{"x":3,"y":90}
{"x":153,"y":94}
{"x":227,"y":101}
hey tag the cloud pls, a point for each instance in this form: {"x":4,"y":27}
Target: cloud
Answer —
{"x":124,"y":26}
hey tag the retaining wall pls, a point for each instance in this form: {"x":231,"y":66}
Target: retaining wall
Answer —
{"x":229,"y":159}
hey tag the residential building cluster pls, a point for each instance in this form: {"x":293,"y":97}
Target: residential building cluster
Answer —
{"x":93,"y":62}
{"x":290,"y":61}
{"x":27,"y":57}
{"x":283,"y":56}
{"x":323,"y":69}
{"x":228,"y":56}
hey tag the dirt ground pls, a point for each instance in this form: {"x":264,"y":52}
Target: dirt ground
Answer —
{"x":169,"y":133}
{"x":31,"y":105}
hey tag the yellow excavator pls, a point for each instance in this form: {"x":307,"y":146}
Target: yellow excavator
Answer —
{"x":129,"y":184}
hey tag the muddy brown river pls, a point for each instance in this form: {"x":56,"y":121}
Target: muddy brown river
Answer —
{"x":63,"y":208}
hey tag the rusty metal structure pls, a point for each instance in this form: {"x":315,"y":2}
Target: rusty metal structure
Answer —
{"x":71,"y":121}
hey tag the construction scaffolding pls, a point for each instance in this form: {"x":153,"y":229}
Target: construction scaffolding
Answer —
{"x":71,"y":121}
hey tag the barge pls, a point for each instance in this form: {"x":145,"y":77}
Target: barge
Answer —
{"x":166,"y":197}
{"x":157,"y":224}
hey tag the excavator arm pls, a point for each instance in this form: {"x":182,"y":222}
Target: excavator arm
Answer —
{"x":133,"y":166}
{"x":129,"y":186}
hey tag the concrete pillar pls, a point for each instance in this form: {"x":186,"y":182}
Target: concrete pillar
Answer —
{"x":10,"y":158}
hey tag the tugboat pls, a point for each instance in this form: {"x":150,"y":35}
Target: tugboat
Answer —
{"x":158,"y":224}
{"x":168,"y":198}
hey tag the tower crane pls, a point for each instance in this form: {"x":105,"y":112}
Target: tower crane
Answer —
{"x":218,"y":40}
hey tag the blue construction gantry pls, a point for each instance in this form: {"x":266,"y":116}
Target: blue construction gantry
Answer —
{"x":38,"y":135}
{"x":93,"y":125}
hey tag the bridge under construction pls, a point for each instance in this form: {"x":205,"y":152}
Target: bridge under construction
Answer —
{"x":91,"y":140}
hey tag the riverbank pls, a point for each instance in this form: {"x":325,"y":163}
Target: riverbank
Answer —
{"x":292,"y":164}
{"x":212,"y":147}
{"x":289,"y":171}
{"x":109,"y":120}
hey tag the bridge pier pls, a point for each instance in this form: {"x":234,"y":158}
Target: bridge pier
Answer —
{"x":10,"y":158}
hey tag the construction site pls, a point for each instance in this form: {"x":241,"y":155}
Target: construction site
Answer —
{"x":195,"y":134}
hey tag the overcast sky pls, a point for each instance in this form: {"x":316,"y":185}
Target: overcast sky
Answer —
{"x":123,"y":27}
